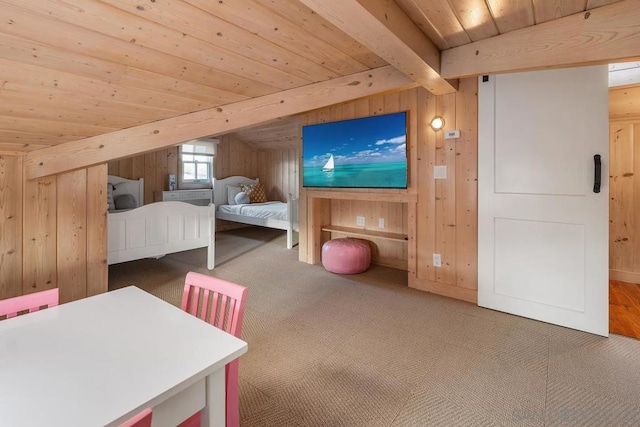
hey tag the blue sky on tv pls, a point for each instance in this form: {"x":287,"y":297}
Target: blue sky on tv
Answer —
{"x":376,"y":139}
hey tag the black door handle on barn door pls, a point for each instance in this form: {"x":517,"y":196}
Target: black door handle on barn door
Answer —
{"x":597,"y":172}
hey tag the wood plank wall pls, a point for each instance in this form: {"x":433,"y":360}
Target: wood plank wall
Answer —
{"x":448,"y":209}
{"x":624,"y":180}
{"x":10,"y":226}
{"x":235,"y":157}
{"x":53,"y":232}
{"x":438,"y":216}
{"x":278,"y":171}
{"x":395,"y":215}
{"x":41,"y":234}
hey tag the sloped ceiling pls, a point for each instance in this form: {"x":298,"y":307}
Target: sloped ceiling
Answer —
{"x":73,"y":69}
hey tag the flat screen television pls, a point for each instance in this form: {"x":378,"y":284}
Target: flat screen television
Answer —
{"x":370,"y":152}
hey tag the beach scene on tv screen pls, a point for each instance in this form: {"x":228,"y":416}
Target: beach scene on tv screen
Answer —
{"x":368,"y":153}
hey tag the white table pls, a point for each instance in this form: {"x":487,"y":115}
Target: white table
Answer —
{"x":101,"y":360}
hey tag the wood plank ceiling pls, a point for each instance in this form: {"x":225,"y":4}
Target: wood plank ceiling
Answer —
{"x":72,"y":69}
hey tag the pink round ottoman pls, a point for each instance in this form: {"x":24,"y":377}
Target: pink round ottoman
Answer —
{"x":346,"y":256}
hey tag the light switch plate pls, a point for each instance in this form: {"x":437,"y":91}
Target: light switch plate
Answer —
{"x":440,"y":172}
{"x":452,"y":134}
{"x":380,"y":222}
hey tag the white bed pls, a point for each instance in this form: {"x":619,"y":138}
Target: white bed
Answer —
{"x":157,"y":229}
{"x":278,"y":215}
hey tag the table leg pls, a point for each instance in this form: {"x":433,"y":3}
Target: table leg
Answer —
{"x":213,"y":415}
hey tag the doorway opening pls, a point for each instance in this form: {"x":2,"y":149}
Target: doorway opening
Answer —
{"x":624,"y":199}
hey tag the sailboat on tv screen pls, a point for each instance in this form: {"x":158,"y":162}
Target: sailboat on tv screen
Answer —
{"x":329,"y":166}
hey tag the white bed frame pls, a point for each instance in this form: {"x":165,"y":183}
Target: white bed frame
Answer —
{"x":290,"y":225}
{"x":161,"y":228}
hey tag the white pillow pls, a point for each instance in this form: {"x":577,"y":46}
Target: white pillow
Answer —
{"x":242,"y":198}
{"x":232,"y":191}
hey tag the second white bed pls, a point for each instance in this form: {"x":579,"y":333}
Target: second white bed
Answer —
{"x":278,"y":215}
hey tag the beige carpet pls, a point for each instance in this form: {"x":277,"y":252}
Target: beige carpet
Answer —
{"x":365,"y":350}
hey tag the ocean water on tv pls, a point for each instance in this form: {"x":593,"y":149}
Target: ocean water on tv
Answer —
{"x":371,"y":175}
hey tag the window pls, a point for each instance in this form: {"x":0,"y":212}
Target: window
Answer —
{"x":197,"y":160}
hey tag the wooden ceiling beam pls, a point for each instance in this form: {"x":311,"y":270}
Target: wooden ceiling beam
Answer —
{"x":384,"y":28}
{"x":227,"y":118}
{"x":606,"y":34}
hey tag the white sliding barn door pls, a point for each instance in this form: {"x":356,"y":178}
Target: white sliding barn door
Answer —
{"x":542,"y":231}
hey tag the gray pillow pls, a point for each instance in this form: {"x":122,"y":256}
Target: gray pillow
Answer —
{"x":125,"y":201}
{"x":242,"y":198}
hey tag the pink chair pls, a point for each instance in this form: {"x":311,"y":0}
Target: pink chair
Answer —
{"x":143,"y":419}
{"x":222,"y":305}
{"x":33,"y":302}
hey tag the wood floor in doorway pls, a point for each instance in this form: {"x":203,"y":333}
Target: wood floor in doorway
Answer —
{"x":624,"y":308}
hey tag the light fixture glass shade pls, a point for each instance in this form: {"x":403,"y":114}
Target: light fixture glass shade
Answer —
{"x":437,"y":123}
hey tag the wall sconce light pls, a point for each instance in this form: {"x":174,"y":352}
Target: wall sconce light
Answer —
{"x":437,"y":123}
